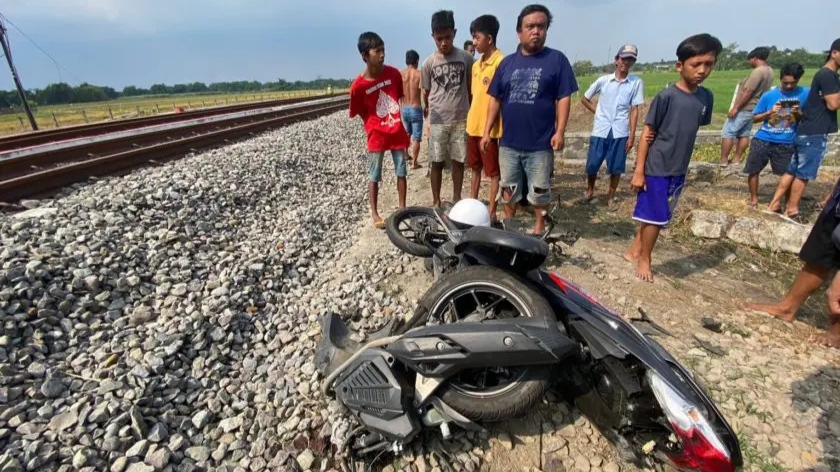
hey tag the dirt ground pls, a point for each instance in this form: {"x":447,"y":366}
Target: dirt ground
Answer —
{"x":777,"y":387}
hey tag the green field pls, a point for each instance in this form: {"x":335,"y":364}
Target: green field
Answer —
{"x":721,"y":83}
{"x":130,"y":107}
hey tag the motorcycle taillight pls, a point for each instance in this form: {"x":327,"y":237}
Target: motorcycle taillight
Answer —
{"x":702,"y":449}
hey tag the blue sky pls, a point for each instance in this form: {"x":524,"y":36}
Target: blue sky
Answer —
{"x":141,"y":42}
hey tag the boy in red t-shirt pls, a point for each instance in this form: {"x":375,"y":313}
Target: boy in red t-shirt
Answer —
{"x":375,"y":96}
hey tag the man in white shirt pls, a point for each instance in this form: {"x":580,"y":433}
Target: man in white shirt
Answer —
{"x":616,"y":117}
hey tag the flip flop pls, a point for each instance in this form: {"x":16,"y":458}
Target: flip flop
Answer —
{"x":772,"y":212}
{"x":379,"y":224}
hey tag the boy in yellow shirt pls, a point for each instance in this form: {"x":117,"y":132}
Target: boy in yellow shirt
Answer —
{"x":484,"y":30}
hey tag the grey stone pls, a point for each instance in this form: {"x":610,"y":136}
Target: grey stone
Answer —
{"x":305,"y":459}
{"x":198,"y":453}
{"x":709,"y":224}
{"x":771,"y":235}
{"x":158,"y":433}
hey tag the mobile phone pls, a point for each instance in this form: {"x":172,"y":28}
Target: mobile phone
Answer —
{"x":789,"y":102}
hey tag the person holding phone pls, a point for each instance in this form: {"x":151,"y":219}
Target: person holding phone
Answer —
{"x":820,"y":120}
{"x":779,"y":113}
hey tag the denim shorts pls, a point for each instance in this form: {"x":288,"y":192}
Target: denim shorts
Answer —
{"x":534,"y":166}
{"x":738,"y":127}
{"x":413,"y":121}
{"x":808,"y":157}
{"x":375,"y":164}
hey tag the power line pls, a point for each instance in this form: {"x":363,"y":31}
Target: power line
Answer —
{"x":58,"y":66}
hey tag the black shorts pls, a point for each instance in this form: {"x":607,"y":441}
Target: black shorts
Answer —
{"x":819,"y":249}
{"x":779,"y":156}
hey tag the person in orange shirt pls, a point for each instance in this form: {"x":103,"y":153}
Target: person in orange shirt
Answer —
{"x":484,"y":30}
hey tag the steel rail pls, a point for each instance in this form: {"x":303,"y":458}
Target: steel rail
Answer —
{"x":39,"y":159}
{"x":43,"y":181}
{"x":35,"y":138}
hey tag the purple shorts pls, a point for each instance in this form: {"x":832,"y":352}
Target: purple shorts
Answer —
{"x":656,"y":204}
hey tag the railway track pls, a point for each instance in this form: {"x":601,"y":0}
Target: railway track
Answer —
{"x":44,"y":169}
{"x":37,"y":138}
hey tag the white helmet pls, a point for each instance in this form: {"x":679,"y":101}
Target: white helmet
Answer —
{"x":471,"y":212}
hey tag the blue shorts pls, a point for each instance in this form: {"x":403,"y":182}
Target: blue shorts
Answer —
{"x":375,"y":164}
{"x":531,"y":168}
{"x":808,"y":156}
{"x":655,"y":205}
{"x":609,"y":148}
{"x":413,"y":121}
{"x":738,"y":127}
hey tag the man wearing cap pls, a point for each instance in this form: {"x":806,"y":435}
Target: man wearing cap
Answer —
{"x":616,"y":116}
{"x":740,"y":117}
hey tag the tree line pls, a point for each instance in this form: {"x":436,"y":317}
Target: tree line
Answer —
{"x":732,"y":58}
{"x":62,"y":93}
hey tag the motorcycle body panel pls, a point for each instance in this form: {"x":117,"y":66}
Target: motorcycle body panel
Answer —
{"x":443,"y":351}
{"x":608,"y":334}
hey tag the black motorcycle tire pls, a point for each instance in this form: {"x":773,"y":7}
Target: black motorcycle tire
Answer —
{"x":406,"y":245}
{"x":535,"y":380}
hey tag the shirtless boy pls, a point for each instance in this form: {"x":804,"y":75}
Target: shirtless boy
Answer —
{"x":412,"y":112}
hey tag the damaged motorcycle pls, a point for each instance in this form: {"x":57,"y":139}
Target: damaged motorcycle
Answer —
{"x":493,"y":334}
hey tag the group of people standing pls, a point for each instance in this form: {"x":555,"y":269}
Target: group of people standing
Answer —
{"x":506,"y":116}
{"x":503,"y":116}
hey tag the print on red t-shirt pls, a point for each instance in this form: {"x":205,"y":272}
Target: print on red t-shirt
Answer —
{"x":378,"y":103}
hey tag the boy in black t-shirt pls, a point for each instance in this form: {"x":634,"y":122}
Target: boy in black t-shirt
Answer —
{"x":673,"y":120}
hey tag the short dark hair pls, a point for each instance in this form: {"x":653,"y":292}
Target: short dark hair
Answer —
{"x":794,"y":69}
{"x":486,"y":24}
{"x":412,"y":58}
{"x":759,"y":53}
{"x":467,"y":43}
{"x":698,"y":45}
{"x":443,"y":20}
{"x":367,"y":41}
{"x":535,"y":8}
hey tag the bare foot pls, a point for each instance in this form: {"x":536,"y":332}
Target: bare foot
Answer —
{"x":590,"y":193}
{"x":610,"y":201}
{"x":784,"y":314}
{"x":630,"y":256}
{"x":643,"y":271}
{"x":829,"y":340}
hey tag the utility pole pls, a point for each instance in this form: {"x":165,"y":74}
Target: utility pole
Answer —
{"x":4,"y":41}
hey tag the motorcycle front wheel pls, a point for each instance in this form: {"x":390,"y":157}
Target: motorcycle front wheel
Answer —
{"x":403,"y":229}
{"x":474,"y":294}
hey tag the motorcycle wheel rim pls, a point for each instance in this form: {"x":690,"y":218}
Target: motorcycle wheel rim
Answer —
{"x":411,"y":226}
{"x":478,"y":291}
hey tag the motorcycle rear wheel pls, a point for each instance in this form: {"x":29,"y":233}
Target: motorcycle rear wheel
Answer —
{"x":521,"y":387}
{"x":400,"y":228}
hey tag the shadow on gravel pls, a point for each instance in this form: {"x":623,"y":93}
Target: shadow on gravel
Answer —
{"x":819,"y":390}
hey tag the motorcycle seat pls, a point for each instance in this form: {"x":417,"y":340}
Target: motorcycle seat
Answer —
{"x":529,"y":251}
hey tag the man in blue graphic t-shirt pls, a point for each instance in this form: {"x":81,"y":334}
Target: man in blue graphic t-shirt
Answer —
{"x":532,"y":87}
{"x":779,"y":111}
